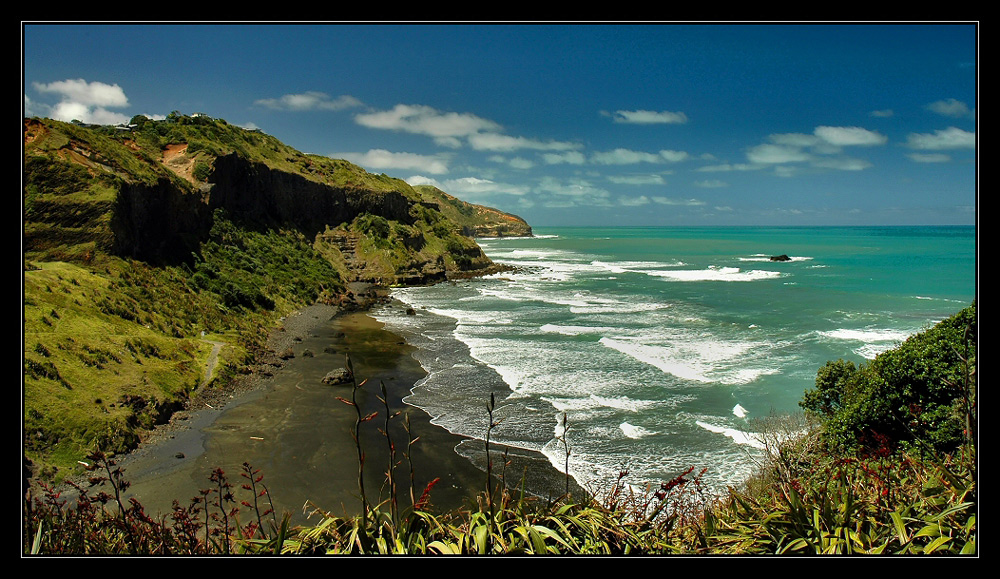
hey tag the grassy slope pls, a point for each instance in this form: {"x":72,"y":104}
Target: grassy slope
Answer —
{"x":471,"y":215}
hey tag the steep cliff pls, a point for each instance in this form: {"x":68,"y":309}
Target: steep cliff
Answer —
{"x":162,"y":184}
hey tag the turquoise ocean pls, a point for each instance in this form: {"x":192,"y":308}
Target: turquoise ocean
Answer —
{"x":660,"y":346}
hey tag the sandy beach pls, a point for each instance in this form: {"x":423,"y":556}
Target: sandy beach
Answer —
{"x":286,"y":423}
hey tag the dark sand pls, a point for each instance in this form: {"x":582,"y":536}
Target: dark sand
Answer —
{"x":293,"y":428}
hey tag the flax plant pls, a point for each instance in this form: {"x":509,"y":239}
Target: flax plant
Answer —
{"x":390,"y":477}
{"x":356,"y":433}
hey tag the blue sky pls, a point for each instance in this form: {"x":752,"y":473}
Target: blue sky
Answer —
{"x":571,"y":124}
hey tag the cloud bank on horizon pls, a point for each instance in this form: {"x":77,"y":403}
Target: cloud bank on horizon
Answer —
{"x":752,"y":142}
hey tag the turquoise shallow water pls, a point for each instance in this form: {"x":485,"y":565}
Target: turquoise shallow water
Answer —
{"x":660,"y":345}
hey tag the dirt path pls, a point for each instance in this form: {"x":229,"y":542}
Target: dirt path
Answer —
{"x":213,"y":359}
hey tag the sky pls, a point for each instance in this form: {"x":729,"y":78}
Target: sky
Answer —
{"x":570,"y":123}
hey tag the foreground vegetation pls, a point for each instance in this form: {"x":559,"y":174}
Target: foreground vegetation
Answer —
{"x":817,"y":491}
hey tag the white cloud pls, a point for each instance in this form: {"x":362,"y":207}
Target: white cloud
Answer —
{"x":449,"y":129}
{"x":575,"y":192}
{"x":817,"y":150}
{"x":91,"y":94}
{"x":850,"y":136}
{"x":649,"y":117}
{"x":842,"y":163}
{"x":623,"y":156}
{"x":929,"y":157}
{"x":382,"y":160}
{"x":674,"y":201}
{"x":771,"y":154}
{"x":498,"y":142}
{"x":711,"y":184}
{"x":794,"y":139}
{"x":514,"y":162}
{"x":950,"y":138}
{"x":634,"y":201}
{"x":424,"y":120}
{"x":726,"y":167}
{"x":310,"y":100}
{"x":84,"y":101}
{"x":568,"y":157}
{"x":422,"y":180}
{"x":674,"y":156}
{"x":951,"y":108}
{"x":637,"y":179}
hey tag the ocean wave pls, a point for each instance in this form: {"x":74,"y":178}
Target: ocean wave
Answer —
{"x":867,"y":335}
{"x":939,"y":299}
{"x":577,"y":302}
{"x":704,"y":360}
{"x":738,"y":436}
{"x":874,"y":341}
{"x":642,"y":267}
{"x":574,"y":330}
{"x":635,"y":432}
{"x":716,"y":273}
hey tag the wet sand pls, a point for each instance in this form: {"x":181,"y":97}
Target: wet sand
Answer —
{"x":293,"y":429}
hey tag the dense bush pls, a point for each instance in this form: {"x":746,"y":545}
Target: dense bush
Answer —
{"x":919,"y":394}
{"x":251,"y":270}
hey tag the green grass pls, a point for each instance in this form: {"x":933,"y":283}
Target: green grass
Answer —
{"x":91,"y":374}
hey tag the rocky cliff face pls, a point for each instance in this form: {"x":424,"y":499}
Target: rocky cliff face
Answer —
{"x":158,"y":223}
{"x":254,"y":193}
{"x":162,"y":216}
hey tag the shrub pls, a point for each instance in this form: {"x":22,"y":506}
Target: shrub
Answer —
{"x":917,"y":394}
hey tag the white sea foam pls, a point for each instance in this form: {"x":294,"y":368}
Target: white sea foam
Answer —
{"x":738,"y":436}
{"x":642,"y":267}
{"x":695,"y":358}
{"x":574,"y":330}
{"x":867,"y":335}
{"x":716,"y":273}
{"x":595,"y":402}
{"x":873,"y":341}
{"x":635,"y":432}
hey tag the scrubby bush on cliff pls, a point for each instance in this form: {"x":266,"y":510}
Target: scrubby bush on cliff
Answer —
{"x":921,"y":393}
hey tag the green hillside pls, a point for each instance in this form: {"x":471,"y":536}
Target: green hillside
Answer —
{"x":147,"y":247}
